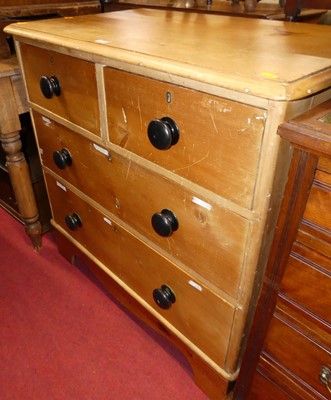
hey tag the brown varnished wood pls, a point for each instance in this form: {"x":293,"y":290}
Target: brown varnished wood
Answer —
{"x":299,"y":353}
{"x":14,"y":10}
{"x":310,"y":132}
{"x":308,"y":237}
{"x":314,"y":326}
{"x":294,"y":337}
{"x":263,"y":10}
{"x":23,"y":3}
{"x":233,"y":8}
{"x":264,"y":388}
{"x":307,"y":269}
{"x":43,"y":8}
{"x":293,"y":8}
{"x":324,"y":164}
{"x":278,"y":384}
{"x":299,"y":181}
{"x":78,"y":99}
{"x":128,"y":191}
{"x":318,"y":206}
{"x":5,"y":52}
{"x":209,"y":135}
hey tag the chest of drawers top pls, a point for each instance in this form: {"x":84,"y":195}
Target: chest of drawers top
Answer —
{"x":269,"y":59}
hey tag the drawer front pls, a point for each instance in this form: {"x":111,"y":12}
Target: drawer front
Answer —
{"x":202,"y":317}
{"x":318,"y":208}
{"x":297,"y":353}
{"x":219,"y":140}
{"x":264,"y":388}
{"x":210,"y":240}
{"x":78,"y":98}
{"x":307,"y":281}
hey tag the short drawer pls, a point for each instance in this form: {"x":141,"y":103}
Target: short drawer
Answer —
{"x":202,"y":317}
{"x":219,"y":140}
{"x":296,"y":352}
{"x":307,"y":281}
{"x":77,"y":100}
{"x":210,"y":240}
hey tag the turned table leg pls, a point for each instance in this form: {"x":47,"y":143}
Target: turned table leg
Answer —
{"x":17,"y":166}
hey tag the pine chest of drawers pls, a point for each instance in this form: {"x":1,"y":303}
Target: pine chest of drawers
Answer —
{"x":157,"y":135}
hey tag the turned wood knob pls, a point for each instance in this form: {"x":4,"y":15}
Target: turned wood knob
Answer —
{"x":163,"y":133}
{"x":50,"y":86}
{"x":73,"y":221}
{"x":164,"y":223}
{"x":164,"y":297}
{"x":62,"y":158}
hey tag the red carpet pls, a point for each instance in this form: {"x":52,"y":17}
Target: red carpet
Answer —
{"x":63,"y":338}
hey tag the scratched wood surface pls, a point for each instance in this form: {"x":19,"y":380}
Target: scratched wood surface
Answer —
{"x":276,"y":60}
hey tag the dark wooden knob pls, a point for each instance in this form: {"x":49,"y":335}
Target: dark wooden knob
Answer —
{"x":164,"y":223}
{"x":164,"y":297}
{"x":50,"y":86}
{"x":163,"y":133}
{"x":62,"y":158}
{"x":73,"y":221}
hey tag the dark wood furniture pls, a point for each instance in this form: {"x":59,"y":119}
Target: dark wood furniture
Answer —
{"x":14,"y":10}
{"x":293,"y":8}
{"x":288,"y":354}
{"x":219,"y":7}
{"x":37,"y":8}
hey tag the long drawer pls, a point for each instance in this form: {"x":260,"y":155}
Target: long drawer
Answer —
{"x":309,"y":273}
{"x":69,"y":84}
{"x":218,"y":142}
{"x":317,"y":216}
{"x":300,"y":354}
{"x":210,"y":239}
{"x":202,"y":317}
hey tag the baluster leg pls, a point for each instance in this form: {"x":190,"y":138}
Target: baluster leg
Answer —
{"x":16,"y":163}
